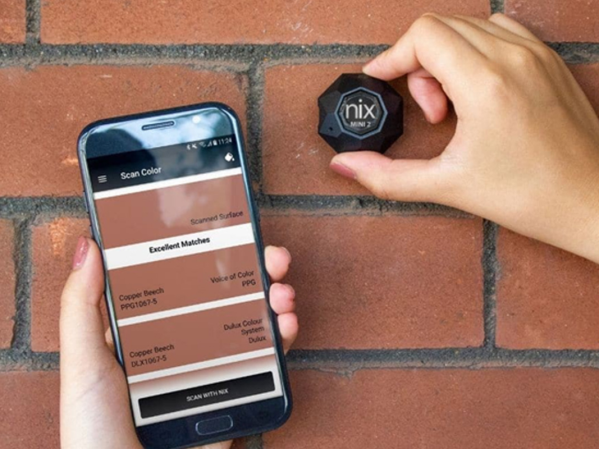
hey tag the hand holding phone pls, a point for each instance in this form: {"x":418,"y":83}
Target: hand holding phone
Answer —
{"x":186,"y":285}
{"x":95,"y":410}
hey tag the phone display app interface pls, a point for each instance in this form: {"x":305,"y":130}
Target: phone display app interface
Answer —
{"x":184,"y":278}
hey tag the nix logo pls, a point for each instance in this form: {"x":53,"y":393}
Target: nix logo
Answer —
{"x":360,"y":112}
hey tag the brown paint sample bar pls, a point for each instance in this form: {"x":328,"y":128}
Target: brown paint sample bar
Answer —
{"x":190,"y":338}
{"x":185,"y":281}
{"x":172,"y":211}
{"x":235,"y":369}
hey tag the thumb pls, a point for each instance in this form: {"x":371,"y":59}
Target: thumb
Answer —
{"x":82,"y":339}
{"x":390,"y":179}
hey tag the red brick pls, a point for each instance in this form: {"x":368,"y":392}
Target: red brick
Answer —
{"x":12,"y":21}
{"x":53,"y":247}
{"x":449,"y":409}
{"x":296,"y":159}
{"x":232,"y":22}
{"x":29,"y":413}
{"x":383,"y":282}
{"x":546,"y":297}
{"x":51,"y":104}
{"x":559,"y":21}
{"x":7,"y":281}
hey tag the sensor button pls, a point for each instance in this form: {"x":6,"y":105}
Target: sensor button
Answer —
{"x":214,"y":425}
{"x":360,"y":113}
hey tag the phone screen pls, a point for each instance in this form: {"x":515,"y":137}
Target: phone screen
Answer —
{"x":184,"y":278}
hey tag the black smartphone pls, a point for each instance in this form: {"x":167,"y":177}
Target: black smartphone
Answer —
{"x":170,"y":204}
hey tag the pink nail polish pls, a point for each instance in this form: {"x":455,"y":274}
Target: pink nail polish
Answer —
{"x":343,"y":170}
{"x":80,"y":253}
{"x":291,"y":290}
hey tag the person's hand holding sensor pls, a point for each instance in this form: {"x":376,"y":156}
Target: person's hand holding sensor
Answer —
{"x":525,"y":153}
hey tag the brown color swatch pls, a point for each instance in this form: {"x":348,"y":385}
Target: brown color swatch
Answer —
{"x":195,"y":337}
{"x":168,"y":212}
{"x":185,"y":281}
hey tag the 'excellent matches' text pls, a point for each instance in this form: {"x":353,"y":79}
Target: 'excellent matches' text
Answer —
{"x":179,"y":245}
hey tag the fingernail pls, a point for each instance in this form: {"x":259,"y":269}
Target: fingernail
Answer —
{"x":290,"y":289}
{"x":287,"y":251}
{"x":370,"y":64}
{"x":80,"y":253}
{"x":343,"y":170}
{"x":366,"y":67}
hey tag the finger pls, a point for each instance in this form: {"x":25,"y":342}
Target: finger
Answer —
{"x":434,"y":46}
{"x":288,"y":327}
{"x":401,"y":180}
{"x":282,"y":298}
{"x":474,"y":28}
{"x":511,"y":25}
{"x":429,"y":95}
{"x":81,"y":328}
{"x":496,"y":30}
{"x":277,"y":262}
{"x":479,"y":35}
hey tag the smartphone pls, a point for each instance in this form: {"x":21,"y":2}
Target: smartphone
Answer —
{"x":170,"y":205}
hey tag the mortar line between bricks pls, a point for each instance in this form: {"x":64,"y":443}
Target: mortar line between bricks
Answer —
{"x":349,"y":205}
{"x":32,"y":54}
{"x":21,"y":342}
{"x":254,"y":442}
{"x":255,"y":108}
{"x":490,"y":270}
{"x":117,"y":60}
{"x":459,"y":358}
{"x":33,"y":21}
{"x":362,"y":359}
{"x":72,"y":206}
{"x":49,"y":206}
{"x":122,"y":54}
{"x":497,"y":6}
{"x":13,"y":360}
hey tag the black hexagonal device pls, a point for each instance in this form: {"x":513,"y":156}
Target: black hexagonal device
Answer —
{"x":360,"y":113}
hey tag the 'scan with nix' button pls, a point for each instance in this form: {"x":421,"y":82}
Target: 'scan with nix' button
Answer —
{"x":360,"y":113}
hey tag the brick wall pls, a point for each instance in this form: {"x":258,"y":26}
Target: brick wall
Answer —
{"x":422,"y":327}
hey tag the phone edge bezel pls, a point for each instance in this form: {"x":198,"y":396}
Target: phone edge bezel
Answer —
{"x":254,"y":214}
